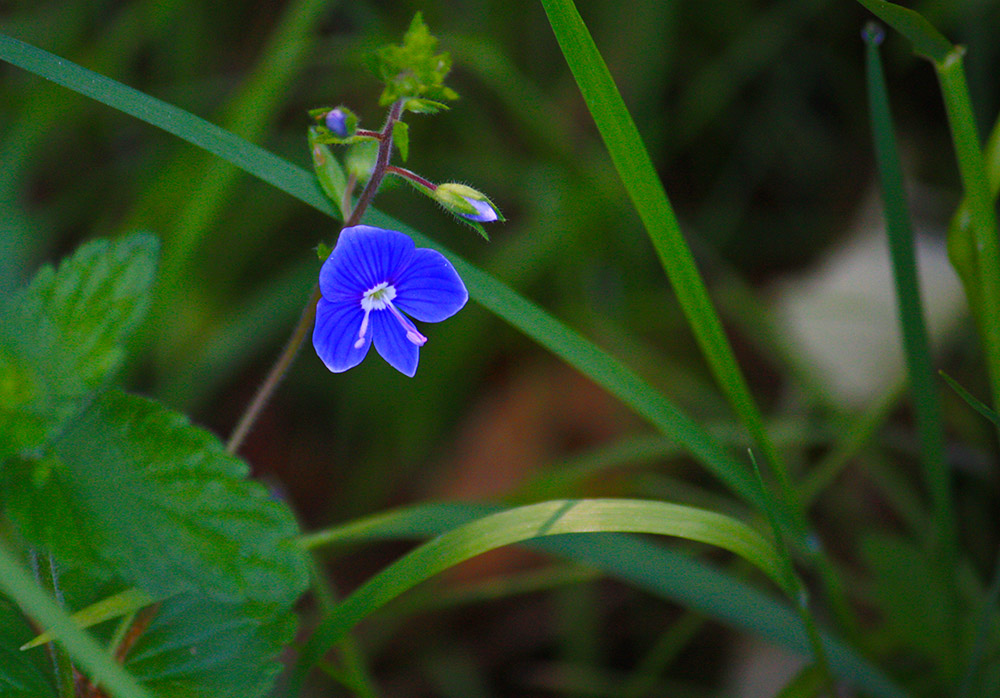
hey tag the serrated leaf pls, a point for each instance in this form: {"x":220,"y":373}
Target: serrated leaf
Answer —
{"x":22,"y":674}
{"x":61,"y":337}
{"x":401,"y":138}
{"x":158,"y":504}
{"x":413,"y":69}
{"x":196,"y":647}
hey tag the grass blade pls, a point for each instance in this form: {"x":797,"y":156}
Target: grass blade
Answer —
{"x":17,"y":583}
{"x":658,"y":570}
{"x":635,"y":168}
{"x":536,"y":521}
{"x":926,"y":402}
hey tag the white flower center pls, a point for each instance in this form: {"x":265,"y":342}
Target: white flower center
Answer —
{"x":379,"y":297}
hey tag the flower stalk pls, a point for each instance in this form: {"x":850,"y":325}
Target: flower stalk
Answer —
{"x":308,"y":317}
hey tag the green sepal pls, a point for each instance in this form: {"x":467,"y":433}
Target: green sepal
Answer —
{"x":329,"y":172}
{"x":412,"y":70}
{"x":401,"y":138}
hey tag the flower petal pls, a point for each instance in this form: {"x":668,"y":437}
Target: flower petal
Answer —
{"x":364,"y":257}
{"x":392,"y":344}
{"x":336,"y":331}
{"x":428,"y":288}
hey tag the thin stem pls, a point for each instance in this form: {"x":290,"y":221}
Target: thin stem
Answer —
{"x":301,"y":330}
{"x":412,"y":176}
{"x":277,"y":372}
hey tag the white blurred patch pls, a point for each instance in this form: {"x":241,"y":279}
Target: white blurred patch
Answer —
{"x":841,"y":318}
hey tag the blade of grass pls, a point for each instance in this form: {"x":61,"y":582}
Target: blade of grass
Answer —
{"x":926,"y":401}
{"x":535,"y":521}
{"x":660,"y":571}
{"x":982,"y":246}
{"x":495,"y":296}
{"x":635,"y":168}
{"x":16,"y":582}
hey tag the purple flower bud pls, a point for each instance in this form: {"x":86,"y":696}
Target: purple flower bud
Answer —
{"x":484,"y":212}
{"x":336,"y":121}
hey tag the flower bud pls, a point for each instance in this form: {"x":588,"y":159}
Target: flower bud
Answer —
{"x":336,"y":121}
{"x":466,"y":202}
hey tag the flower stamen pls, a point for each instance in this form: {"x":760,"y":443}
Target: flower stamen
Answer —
{"x":379,"y":297}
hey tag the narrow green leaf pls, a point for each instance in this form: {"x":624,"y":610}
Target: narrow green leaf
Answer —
{"x":660,"y":571}
{"x":535,"y":521}
{"x":116,"y":606}
{"x":500,"y":299}
{"x":926,"y":40}
{"x":970,"y":400}
{"x":61,"y":337}
{"x":916,"y":345}
{"x":636,"y":171}
{"x":985,"y":247}
{"x":159,"y":503}
{"x":16,"y":582}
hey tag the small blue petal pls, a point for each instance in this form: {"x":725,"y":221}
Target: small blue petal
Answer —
{"x":428,"y":288}
{"x":484,"y":212}
{"x":336,"y":331}
{"x":392,"y":344}
{"x":364,"y":257}
{"x":336,"y":121}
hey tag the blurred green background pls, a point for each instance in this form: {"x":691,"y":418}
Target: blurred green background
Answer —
{"x":755,"y":115}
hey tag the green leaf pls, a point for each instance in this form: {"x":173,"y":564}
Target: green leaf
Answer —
{"x":22,"y":674}
{"x":401,"y":138}
{"x":198,"y":647}
{"x":926,"y":40}
{"x":659,"y":570}
{"x":413,"y":69}
{"x":328,"y":171}
{"x":61,"y":337}
{"x":159,"y":503}
{"x":642,"y":183}
{"x":536,"y":521}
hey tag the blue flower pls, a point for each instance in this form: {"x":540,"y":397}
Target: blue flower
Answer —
{"x":466,"y":202}
{"x":370,"y":279}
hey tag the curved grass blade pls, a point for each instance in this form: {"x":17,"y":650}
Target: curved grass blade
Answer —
{"x":537,"y":521}
{"x":569,"y":345}
{"x":658,"y":570}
